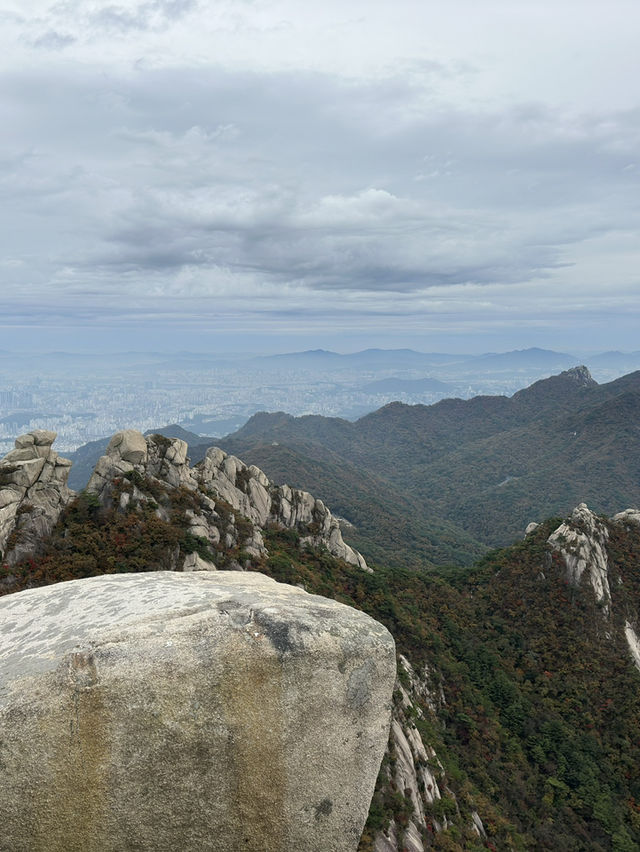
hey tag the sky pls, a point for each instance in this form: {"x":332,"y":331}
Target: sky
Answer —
{"x":275,"y":175}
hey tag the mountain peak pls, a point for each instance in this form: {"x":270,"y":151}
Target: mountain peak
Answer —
{"x":555,"y":391}
{"x":581,"y":376}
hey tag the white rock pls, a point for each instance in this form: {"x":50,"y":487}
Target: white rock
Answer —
{"x":582,"y":544}
{"x":633,"y":642}
{"x":194,"y":562}
{"x":477,"y":824}
{"x":629,"y":516}
{"x":192,"y":712}
{"x":128,"y":445}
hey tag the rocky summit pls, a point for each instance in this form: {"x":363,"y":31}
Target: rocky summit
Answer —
{"x":168,"y":711}
{"x":222,"y":489}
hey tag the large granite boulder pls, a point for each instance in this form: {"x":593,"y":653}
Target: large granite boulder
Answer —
{"x":200,"y":711}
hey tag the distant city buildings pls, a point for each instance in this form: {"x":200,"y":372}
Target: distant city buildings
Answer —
{"x":84,"y":401}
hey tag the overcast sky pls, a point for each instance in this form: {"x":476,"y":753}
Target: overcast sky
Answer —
{"x":280,"y":175}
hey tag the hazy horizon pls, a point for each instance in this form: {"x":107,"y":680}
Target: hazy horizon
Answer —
{"x":244,"y":353}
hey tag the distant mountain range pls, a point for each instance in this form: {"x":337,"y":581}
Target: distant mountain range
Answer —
{"x":323,"y":359}
{"x":439,"y":484}
{"x":370,"y":358}
{"x":409,"y":358}
{"x":531,"y":364}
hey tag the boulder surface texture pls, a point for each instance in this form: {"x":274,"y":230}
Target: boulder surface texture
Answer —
{"x":204,"y":711}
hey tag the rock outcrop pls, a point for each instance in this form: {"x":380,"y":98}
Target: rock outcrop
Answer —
{"x":222,"y":483}
{"x":172,"y":711}
{"x":33,"y":493}
{"x":582,"y":543}
{"x":629,"y":516}
{"x":163,"y":458}
{"x":413,"y":768}
{"x":248,"y":490}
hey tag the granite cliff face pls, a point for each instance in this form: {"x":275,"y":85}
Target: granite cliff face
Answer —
{"x":232,"y":503}
{"x":223,"y":481}
{"x":195,"y":712}
{"x":33,"y":493}
{"x":412,"y":766}
{"x":581,"y":543}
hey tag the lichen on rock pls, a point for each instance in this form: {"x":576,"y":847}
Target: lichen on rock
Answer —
{"x":191,"y":711}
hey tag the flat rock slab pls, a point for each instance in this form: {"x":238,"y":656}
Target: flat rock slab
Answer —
{"x":209,"y":711}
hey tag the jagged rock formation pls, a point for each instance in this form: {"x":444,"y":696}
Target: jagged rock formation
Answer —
{"x":580,"y":376}
{"x":232,"y":502}
{"x":582,"y":543}
{"x":626,"y":518}
{"x":221,"y":482}
{"x":413,"y":769}
{"x":189,"y":711}
{"x":33,"y":493}
{"x":249,"y":491}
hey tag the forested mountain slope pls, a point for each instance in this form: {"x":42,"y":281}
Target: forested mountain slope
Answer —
{"x":486,"y":466}
{"x":516,"y":721}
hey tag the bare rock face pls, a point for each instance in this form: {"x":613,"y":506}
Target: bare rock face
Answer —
{"x":414,"y":768}
{"x":33,"y":493}
{"x":200,"y":711}
{"x":248,"y":490}
{"x":629,"y":516}
{"x":222,"y":482}
{"x":582,"y":543}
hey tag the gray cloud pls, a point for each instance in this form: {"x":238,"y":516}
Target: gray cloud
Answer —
{"x":148,"y":188}
{"x":436,"y":199}
{"x":150,"y":15}
{"x":53,"y":40}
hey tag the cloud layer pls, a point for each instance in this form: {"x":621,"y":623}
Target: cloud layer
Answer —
{"x":143,"y":178}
